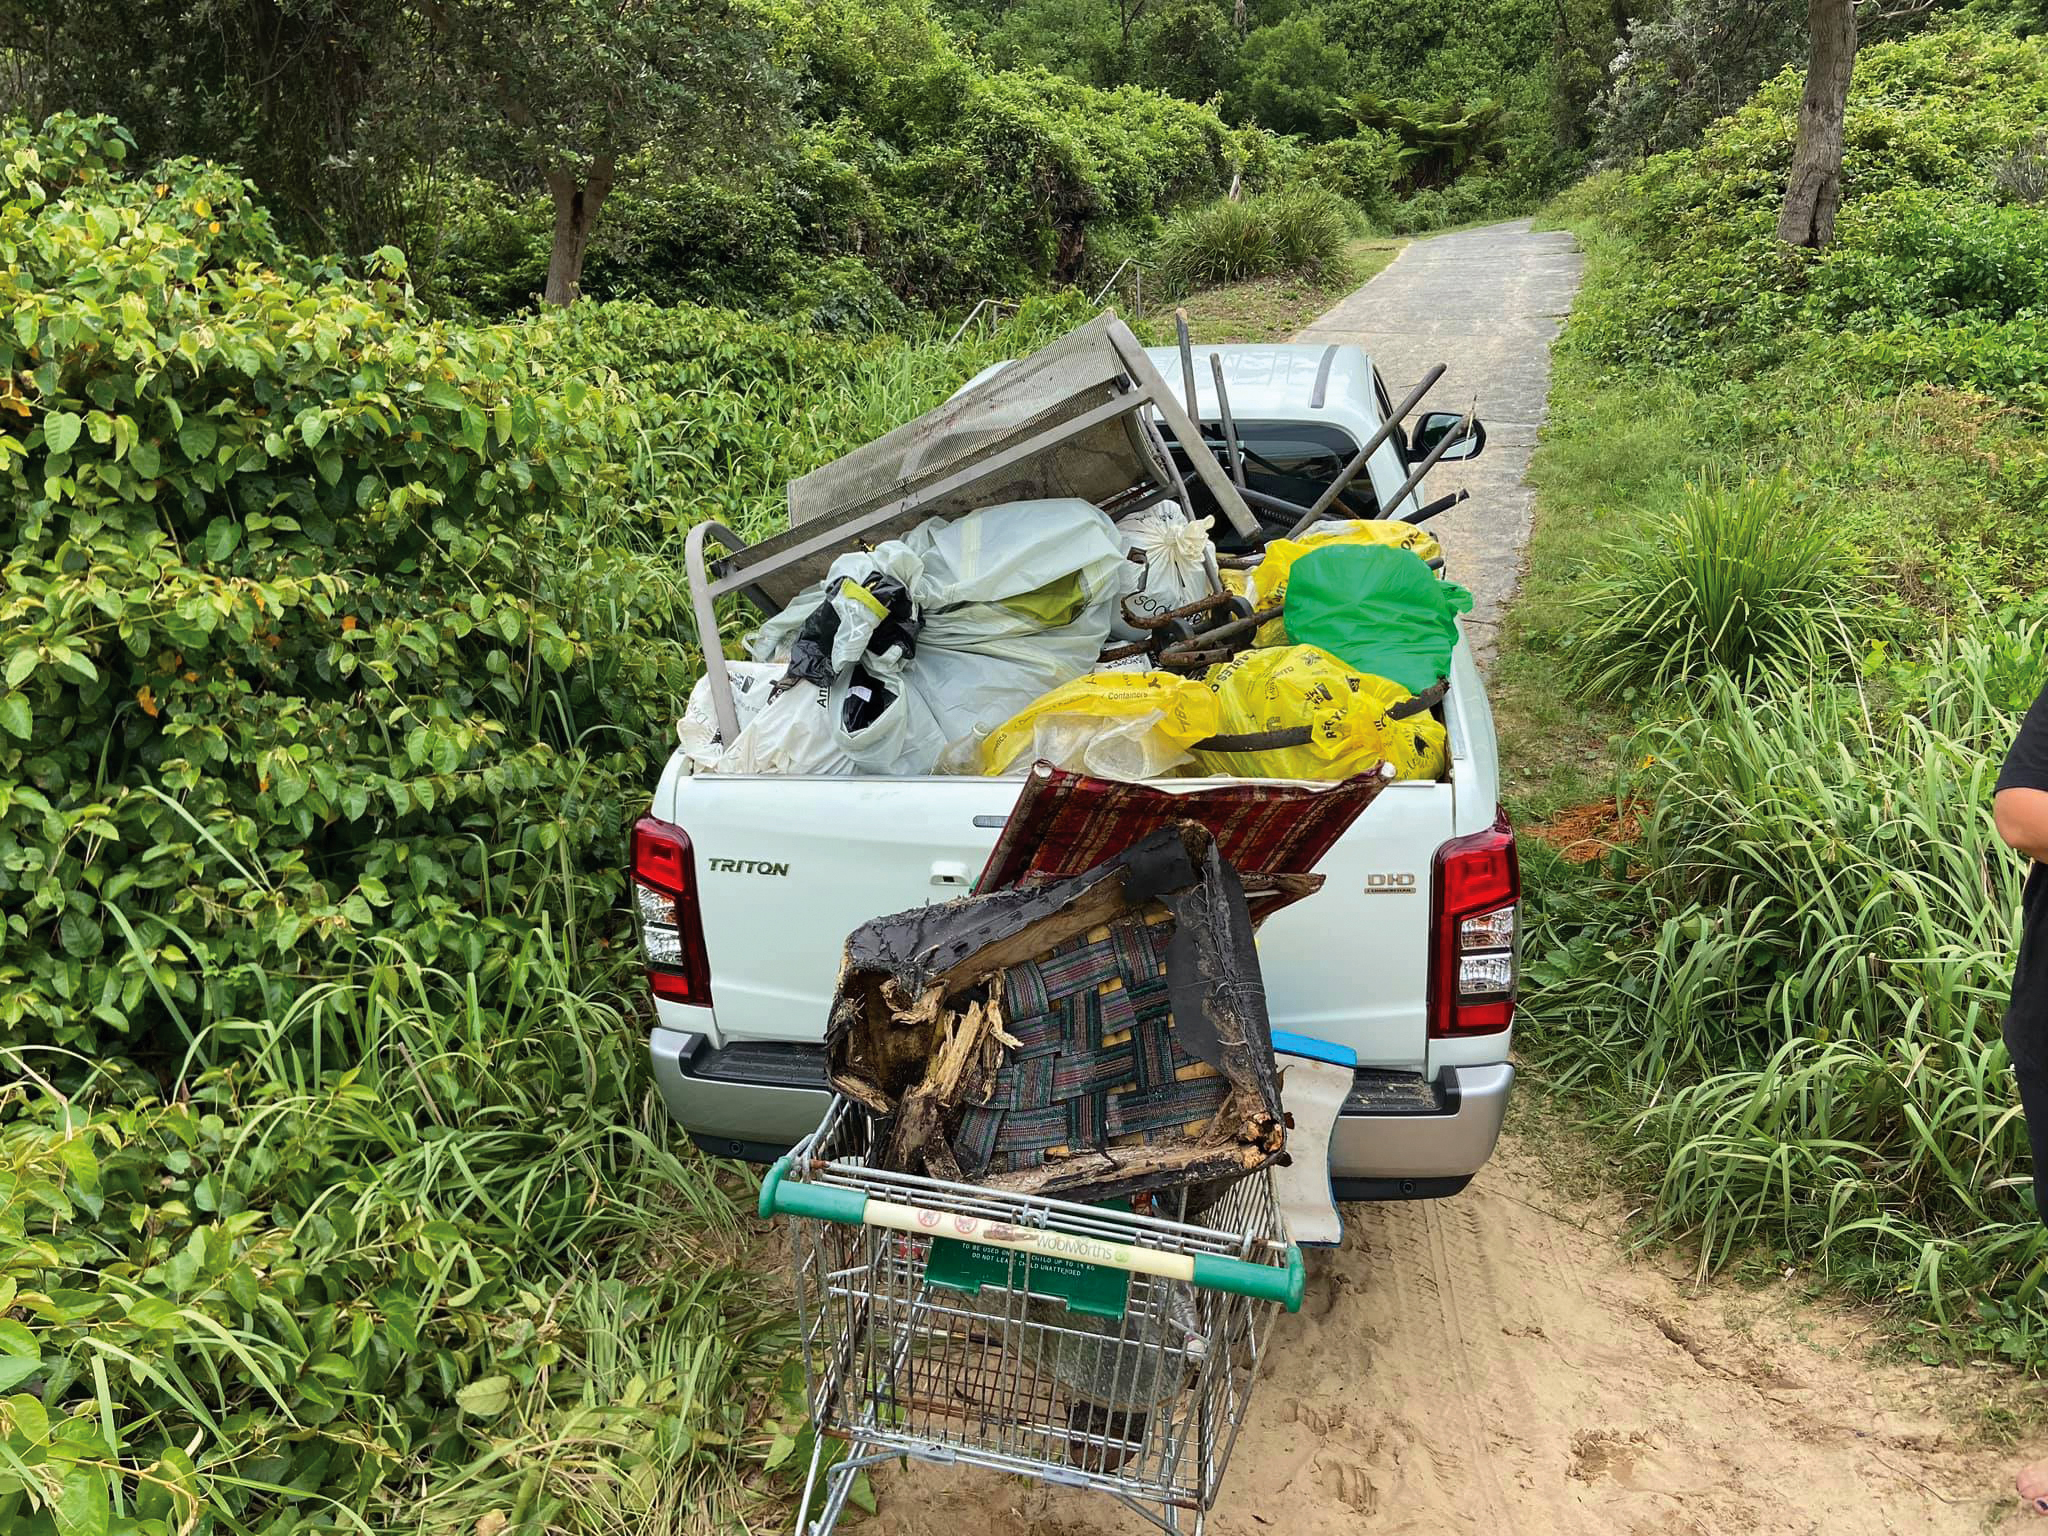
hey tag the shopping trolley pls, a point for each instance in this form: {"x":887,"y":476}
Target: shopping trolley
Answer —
{"x":1091,"y":1346}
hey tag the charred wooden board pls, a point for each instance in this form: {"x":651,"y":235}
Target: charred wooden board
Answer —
{"x":917,"y":1031}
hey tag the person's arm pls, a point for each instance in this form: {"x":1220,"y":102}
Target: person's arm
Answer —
{"x":2019,"y":802}
{"x":2022,"y":819}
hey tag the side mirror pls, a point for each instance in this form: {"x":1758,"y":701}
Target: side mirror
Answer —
{"x":1435,"y":426}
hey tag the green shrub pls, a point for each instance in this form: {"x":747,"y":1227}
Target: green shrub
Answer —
{"x":1361,"y":169}
{"x":1910,"y":255}
{"x":1298,"y":231}
{"x":312,"y":603}
{"x":1290,"y":76}
{"x":1739,"y":581}
{"x":1920,"y":247}
{"x":341,"y":647}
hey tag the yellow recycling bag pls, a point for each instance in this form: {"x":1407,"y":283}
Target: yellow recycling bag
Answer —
{"x":1116,"y":725}
{"x":1350,"y":731}
{"x":1269,"y":576}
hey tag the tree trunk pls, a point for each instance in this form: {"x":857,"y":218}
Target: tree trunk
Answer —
{"x":1128,"y":12}
{"x":1813,"y":192}
{"x":576,"y":205}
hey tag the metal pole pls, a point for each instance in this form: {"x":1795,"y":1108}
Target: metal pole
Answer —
{"x":1187,"y":364}
{"x":1441,"y":504}
{"x":1444,"y":445}
{"x":1229,"y":421}
{"x":1350,"y":471}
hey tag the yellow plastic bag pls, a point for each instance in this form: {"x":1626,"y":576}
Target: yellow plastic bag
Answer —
{"x":1269,"y":577}
{"x":1116,"y":725}
{"x":1345,"y":710}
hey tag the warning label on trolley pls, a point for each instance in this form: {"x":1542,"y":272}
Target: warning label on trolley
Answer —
{"x":968,"y":1266}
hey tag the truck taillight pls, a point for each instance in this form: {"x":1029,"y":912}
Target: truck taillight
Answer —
{"x":665,"y":903}
{"x":1475,"y":933}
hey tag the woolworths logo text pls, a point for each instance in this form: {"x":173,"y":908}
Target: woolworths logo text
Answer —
{"x":747,"y":867}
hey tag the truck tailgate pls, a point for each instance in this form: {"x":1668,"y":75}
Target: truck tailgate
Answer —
{"x":787,"y":867}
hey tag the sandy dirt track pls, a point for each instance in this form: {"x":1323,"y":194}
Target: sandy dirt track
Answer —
{"x":1497,"y":1363}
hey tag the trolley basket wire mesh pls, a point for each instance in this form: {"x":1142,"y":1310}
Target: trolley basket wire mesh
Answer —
{"x":1088,"y":1346}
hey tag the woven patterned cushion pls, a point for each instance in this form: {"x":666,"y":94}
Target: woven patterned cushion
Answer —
{"x":1096,"y":1063}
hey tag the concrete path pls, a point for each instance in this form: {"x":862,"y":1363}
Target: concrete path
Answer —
{"x":1488,"y":302}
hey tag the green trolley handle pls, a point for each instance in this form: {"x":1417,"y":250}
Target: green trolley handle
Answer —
{"x":850,"y":1207}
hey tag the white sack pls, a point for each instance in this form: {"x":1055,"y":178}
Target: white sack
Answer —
{"x":1014,"y":600}
{"x":1179,"y":564}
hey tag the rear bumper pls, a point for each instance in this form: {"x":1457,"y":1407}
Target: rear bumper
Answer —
{"x":1420,"y":1149}
{"x":1397,"y":1137}
{"x":752,"y":1102}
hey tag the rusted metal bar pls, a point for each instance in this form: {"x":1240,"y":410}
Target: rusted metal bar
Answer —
{"x":1350,"y":471}
{"x":1443,"y":446}
{"x":1229,"y":422}
{"x":1199,"y":607}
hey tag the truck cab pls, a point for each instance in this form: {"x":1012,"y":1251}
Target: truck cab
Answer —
{"x":748,"y":884}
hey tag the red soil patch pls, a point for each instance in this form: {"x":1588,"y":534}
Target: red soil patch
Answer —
{"x":1583,"y":833}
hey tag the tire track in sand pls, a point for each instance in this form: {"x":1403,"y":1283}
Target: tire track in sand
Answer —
{"x":1497,"y":1363}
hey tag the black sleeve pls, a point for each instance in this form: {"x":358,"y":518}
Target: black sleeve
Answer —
{"x":2026,"y":766}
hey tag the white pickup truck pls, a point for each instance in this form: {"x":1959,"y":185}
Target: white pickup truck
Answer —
{"x":749,"y":884}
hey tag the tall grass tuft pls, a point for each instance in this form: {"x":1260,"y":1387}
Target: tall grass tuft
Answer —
{"x":1740,"y":580}
{"x":1310,"y":226}
{"x":1299,"y":231}
{"x":1791,"y":992}
{"x":1221,"y":242}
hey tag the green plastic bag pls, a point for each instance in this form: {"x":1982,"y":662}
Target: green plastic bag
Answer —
{"x":1378,"y":609}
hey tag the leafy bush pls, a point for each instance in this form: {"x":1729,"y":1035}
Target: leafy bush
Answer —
{"x":1291,"y":77}
{"x":1932,"y":279}
{"x":1360,"y":169}
{"x":342,"y":645}
{"x":312,"y":604}
{"x":1739,"y":581}
{"x":1468,"y":200}
{"x":1298,"y":231}
{"x":1919,"y":254}
{"x":1188,"y":48}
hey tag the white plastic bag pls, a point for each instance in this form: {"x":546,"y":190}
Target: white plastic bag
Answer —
{"x":753,"y":683}
{"x":793,"y":734}
{"x":1010,"y":602}
{"x":1179,"y":564}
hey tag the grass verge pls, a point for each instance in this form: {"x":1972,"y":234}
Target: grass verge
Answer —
{"x":1271,"y":308}
{"x":1773,"y":989}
